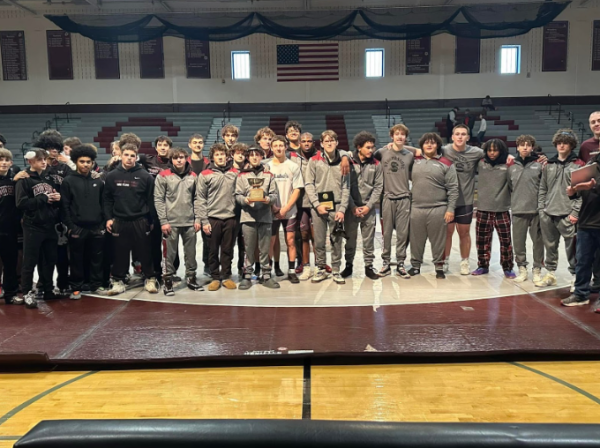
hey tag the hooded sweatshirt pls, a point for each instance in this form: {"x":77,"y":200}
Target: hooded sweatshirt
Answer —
{"x":524,"y":177}
{"x":175,"y":197}
{"x":82,"y":201}
{"x":589,"y":215}
{"x":10,"y":215}
{"x":256,"y":211}
{"x":58,"y":171}
{"x":304,"y":159}
{"x":366,"y":182}
{"x":324,"y":175}
{"x":465,"y":163}
{"x":493,"y":193}
{"x":32,"y":199}
{"x":215,"y":189}
{"x":556,"y":177}
{"x":154,"y":164}
{"x":435,"y":183}
{"x":129,"y":194}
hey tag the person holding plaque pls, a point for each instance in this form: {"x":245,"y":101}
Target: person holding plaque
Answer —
{"x":329,"y":194}
{"x":255,"y":192}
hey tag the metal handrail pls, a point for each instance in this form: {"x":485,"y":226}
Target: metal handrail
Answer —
{"x":388,"y":112}
{"x":35,"y":135}
{"x":68,"y":104}
{"x":549,"y":105}
{"x":48,"y":124}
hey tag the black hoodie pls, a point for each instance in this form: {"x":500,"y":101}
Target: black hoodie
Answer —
{"x":58,"y":172}
{"x":129,"y":194}
{"x":10,"y":216}
{"x":81,"y":198}
{"x":32,"y":200}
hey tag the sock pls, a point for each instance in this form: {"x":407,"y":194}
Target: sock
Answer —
{"x":291,"y":265}
{"x":276,"y":265}
{"x":256,"y":267}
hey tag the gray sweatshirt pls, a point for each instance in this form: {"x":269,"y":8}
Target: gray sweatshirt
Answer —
{"x":256,"y":211}
{"x":366,"y":182}
{"x":396,"y":167}
{"x":556,"y":177}
{"x":435,"y":183}
{"x":323,"y":175}
{"x":175,"y":198}
{"x":465,"y":163}
{"x":216,"y":188}
{"x":524,"y":182}
{"x":493,"y":193}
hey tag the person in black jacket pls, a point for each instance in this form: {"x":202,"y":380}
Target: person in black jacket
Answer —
{"x":128,"y":209}
{"x":37,"y":198}
{"x":84,"y":217}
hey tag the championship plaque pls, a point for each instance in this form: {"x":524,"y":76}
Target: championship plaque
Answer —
{"x":326,"y":199}
{"x":256,"y":192}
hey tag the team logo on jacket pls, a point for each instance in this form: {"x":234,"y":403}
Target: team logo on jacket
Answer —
{"x":7,"y":190}
{"x":41,"y":189}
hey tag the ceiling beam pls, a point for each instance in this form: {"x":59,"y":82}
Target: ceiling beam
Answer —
{"x":164,"y":5}
{"x":21,"y":7}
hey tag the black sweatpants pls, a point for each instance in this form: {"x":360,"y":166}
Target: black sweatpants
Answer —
{"x":126,"y":236}
{"x":9,"y":252}
{"x":39,"y":248}
{"x":156,"y":247}
{"x":86,"y":255}
{"x":108,"y":256}
{"x":222,"y":237}
{"x":205,"y":250}
{"x":62,"y":266}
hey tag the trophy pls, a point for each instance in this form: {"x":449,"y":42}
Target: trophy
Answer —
{"x":256,"y":192}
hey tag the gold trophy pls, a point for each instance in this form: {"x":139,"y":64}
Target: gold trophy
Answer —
{"x":256,"y":192}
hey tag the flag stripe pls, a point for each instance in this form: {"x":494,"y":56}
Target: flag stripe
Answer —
{"x":307,"y":79}
{"x":308,"y":62}
{"x":327,"y":67}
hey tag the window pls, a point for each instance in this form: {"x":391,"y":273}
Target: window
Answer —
{"x":374,"y":62}
{"x":240,"y":65}
{"x":510,"y":59}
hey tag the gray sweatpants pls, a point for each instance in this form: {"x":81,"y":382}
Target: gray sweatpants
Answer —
{"x":320,"y":223}
{"x":367,"y":231}
{"x":257,"y":234}
{"x":427,"y":223}
{"x":396,"y":215}
{"x":188,"y":237}
{"x":521,"y":223}
{"x":553,"y":227}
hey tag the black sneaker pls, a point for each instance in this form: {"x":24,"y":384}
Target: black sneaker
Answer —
{"x":574,"y":300}
{"x":168,"y":287}
{"x":292,"y":277}
{"x":246,"y":283}
{"x":439,"y":274}
{"x":371,"y":273}
{"x":278,"y":272}
{"x":192,"y":284}
{"x":86,"y":288}
{"x":414,"y":271}
{"x":347,"y":272}
{"x":176,"y":279}
{"x":595,"y":287}
{"x":49,"y":295}
{"x":401,"y":271}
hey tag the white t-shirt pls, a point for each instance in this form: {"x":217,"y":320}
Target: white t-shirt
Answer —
{"x":288,"y":177}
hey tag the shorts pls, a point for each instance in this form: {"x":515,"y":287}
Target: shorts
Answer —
{"x":305,"y":219}
{"x":289,"y":225}
{"x":463,"y":214}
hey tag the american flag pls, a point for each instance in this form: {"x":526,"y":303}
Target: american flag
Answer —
{"x":308,"y":62}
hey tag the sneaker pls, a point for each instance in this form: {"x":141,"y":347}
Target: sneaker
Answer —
{"x":16,"y":300}
{"x":347,"y":272}
{"x":572,"y":288}
{"x":522,"y":275}
{"x":478,"y":271}
{"x":537,"y":275}
{"x":229,"y":284}
{"x":278,"y":272}
{"x":214,"y":285}
{"x":414,"y":271}
{"x":307,"y":273}
{"x":574,"y":300}
{"x":337,"y":277}
{"x":446,"y":268}
{"x":206,"y":271}
{"x":271,"y":283}
{"x":118,"y":287}
{"x":439,"y":274}
{"x":168,"y":286}
{"x":75,"y":295}
{"x":320,"y":276}
{"x":292,"y":277}
{"x":371,"y":273}
{"x":151,"y":285}
{"x":64,"y":292}
{"x":246,"y":283}
{"x":595,"y":287}
{"x":86,"y":287}
{"x":465,"y":269}
{"x":176,"y":279}
{"x":548,"y":280}
{"x":39,"y":294}
{"x":401,"y":271}
{"x":101,"y":291}
{"x":299,"y":269}
{"x":510,"y":274}
{"x":30,"y":300}
{"x":193,"y":284}
{"x":51,"y":295}
{"x":328,"y":269}
{"x":385,"y":270}
{"x":597,"y":306}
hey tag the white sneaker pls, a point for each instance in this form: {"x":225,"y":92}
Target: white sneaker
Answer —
{"x":151,"y":285}
{"x":523,"y":276}
{"x":537,"y":275}
{"x":548,"y":280}
{"x":307,"y":273}
{"x":118,"y":287}
{"x":446,"y":266}
{"x":465,"y":269}
{"x":320,"y":276}
{"x":572,"y":289}
{"x":337,"y":277}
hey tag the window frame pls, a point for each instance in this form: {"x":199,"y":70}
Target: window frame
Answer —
{"x":374,"y":50}
{"x":517,"y":61}
{"x":233,"y":69}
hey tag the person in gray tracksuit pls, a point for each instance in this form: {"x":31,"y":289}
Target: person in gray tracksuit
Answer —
{"x":176,"y":205}
{"x":366,"y":187}
{"x":256,"y":218}
{"x":435,"y":192}
{"x":322,"y":176}
{"x":524,"y":177}
{"x":558,"y":213}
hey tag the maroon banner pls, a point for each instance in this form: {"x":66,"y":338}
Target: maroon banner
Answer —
{"x":152,"y":62}
{"x":106,"y":59}
{"x":197,"y":58}
{"x":554,"y":53}
{"x":418,"y":55}
{"x":596,"y":46}
{"x":14,"y":61}
{"x":466,"y":57}
{"x":60,"y":57}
